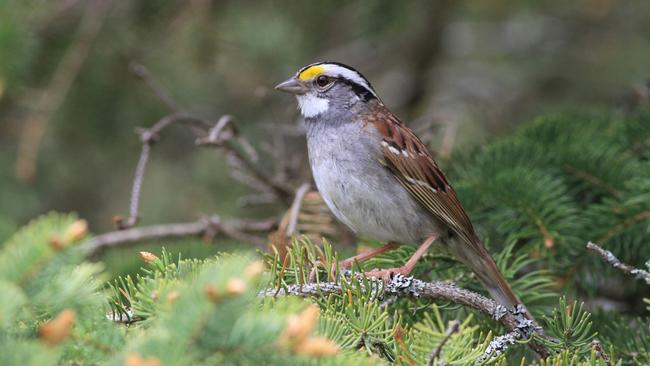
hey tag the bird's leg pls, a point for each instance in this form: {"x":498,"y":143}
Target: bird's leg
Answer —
{"x":404,"y":270}
{"x":347,"y":263}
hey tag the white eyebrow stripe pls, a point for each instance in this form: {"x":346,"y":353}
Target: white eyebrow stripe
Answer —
{"x":335,"y":70}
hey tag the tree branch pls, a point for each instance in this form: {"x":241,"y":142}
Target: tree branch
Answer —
{"x":148,"y":137}
{"x":452,"y":329}
{"x":610,"y":258}
{"x":401,"y":286}
{"x":64,"y":76}
{"x":242,"y":157}
{"x":208,"y":227}
{"x":295,"y":208}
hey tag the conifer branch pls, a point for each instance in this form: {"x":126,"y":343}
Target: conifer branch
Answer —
{"x":409,"y":287}
{"x":452,"y":329}
{"x":633,"y":220}
{"x":499,"y":345}
{"x":610,"y":258}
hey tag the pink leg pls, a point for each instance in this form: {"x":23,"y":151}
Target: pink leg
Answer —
{"x":347,"y":263}
{"x":408,"y":266}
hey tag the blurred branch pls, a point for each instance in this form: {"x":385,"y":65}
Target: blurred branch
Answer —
{"x":41,"y":20}
{"x":148,"y":138}
{"x":242,"y":157}
{"x":610,"y":258}
{"x":515,"y":321}
{"x":425,"y":50}
{"x":452,"y":329}
{"x":143,"y":73}
{"x":295,"y":208}
{"x":56,"y":92}
{"x":208,"y":227}
{"x":221,"y":135}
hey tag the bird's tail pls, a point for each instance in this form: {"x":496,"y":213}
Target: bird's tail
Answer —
{"x":490,"y":276}
{"x":477,"y":258}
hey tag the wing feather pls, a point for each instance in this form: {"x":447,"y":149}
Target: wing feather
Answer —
{"x":413,"y":166}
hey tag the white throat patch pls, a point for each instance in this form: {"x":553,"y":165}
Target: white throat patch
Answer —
{"x":311,"y":106}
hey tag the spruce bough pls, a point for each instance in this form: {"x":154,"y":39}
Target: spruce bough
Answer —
{"x":561,"y":181}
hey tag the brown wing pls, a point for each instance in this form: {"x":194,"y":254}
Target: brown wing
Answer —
{"x":411,"y":163}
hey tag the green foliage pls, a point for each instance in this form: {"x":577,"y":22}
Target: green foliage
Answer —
{"x":42,"y":277}
{"x":630,"y":339}
{"x":537,"y":197}
{"x":16,"y":40}
{"x":428,"y":334}
{"x":567,"y":358}
{"x":570,"y":326}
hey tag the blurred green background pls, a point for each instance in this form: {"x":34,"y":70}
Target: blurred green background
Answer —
{"x":459,"y":72}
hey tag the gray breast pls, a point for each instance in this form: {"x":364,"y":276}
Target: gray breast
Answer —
{"x":358,"y":189}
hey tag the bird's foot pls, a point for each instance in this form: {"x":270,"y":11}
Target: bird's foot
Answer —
{"x":344,"y":264}
{"x":387,"y":274}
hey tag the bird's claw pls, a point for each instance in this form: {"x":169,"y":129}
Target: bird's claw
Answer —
{"x":386,"y":274}
{"x":340,"y":265}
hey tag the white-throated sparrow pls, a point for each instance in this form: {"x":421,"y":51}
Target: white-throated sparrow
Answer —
{"x":379,"y":179}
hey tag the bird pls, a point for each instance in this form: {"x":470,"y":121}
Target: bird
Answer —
{"x":379,"y":179}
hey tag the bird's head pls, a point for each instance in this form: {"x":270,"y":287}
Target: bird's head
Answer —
{"x":324,"y":85}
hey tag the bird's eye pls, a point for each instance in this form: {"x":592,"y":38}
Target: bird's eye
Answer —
{"x":322,"y":81}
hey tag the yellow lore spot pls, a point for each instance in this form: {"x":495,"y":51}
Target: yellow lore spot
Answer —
{"x":311,"y":72}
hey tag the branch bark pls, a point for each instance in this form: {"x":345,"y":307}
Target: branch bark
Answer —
{"x":610,"y":258}
{"x":208,"y":227}
{"x":452,"y":329}
{"x":401,"y":286}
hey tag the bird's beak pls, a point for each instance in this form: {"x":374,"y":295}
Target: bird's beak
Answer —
{"x":293,"y":86}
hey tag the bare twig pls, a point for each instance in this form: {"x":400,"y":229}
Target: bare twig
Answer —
{"x":143,"y":73}
{"x":610,"y":258}
{"x":295,"y":208}
{"x":148,"y":137}
{"x":640,"y":146}
{"x":135,"y":191}
{"x":58,"y":88}
{"x":592,"y":179}
{"x":516,"y":321}
{"x":255,"y":199}
{"x":448,"y":138}
{"x":221,"y":134}
{"x":208,"y":227}
{"x":453,"y":328}
{"x":633,"y":220}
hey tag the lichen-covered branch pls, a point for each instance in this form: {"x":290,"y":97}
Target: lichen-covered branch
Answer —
{"x":514,"y":320}
{"x":610,"y":258}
